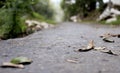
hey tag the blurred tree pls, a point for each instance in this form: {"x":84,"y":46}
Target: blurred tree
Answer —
{"x":101,"y":5}
{"x":81,"y":7}
{"x":43,"y":8}
{"x":2,"y":3}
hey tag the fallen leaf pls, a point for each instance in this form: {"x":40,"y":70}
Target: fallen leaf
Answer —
{"x":99,"y":48}
{"x":110,"y":35}
{"x":108,"y":51}
{"x":88,"y":48}
{"x":11,"y":65}
{"x":84,"y":50}
{"x":72,"y":61}
{"x":104,"y":50}
{"x":108,"y":40}
{"x":115,"y":35}
{"x":21,"y":60}
{"x":90,"y":45}
{"x":107,"y":35}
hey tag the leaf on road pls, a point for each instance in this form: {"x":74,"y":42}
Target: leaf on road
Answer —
{"x":88,"y":48}
{"x":90,"y":45}
{"x":104,"y":50}
{"x":99,"y":48}
{"x":108,"y":51}
{"x":71,"y":61}
{"x":115,"y":35}
{"x":84,"y":50}
{"x":107,"y":35}
{"x":11,"y":65}
{"x":108,"y":40}
{"x":21,"y":60}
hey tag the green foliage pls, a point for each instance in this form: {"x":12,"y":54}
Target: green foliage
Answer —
{"x":43,"y":8}
{"x":69,"y":9}
{"x":101,"y":5}
{"x":5,"y":22}
{"x":21,"y":60}
{"x":13,"y":14}
{"x":85,"y":6}
{"x":11,"y":23}
{"x":117,"y":22}
{"x":42,"y":11}
{"x":38,"y":16}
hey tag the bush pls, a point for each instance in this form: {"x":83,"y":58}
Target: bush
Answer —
{"x":13,"y":15}
{"x":43,"y":8}
{"x":10,"y":26}
{"x":11,"y":22}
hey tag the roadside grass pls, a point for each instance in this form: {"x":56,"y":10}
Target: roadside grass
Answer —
{"x":112,"y":23}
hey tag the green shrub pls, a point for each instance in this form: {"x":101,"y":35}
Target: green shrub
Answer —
{"x":11,"y":23}
{"x":13,"y":12}
{"x":10,"y":26}
{"x":5,"y":22}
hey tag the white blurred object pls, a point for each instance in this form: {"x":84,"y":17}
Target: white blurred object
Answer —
{"x":44,"y":25}
{"x":115,"y":2}
{"x":115,"y":11}
{"x":36,"y":25}
{"x":105,"y":14}
{"x":111,"y":20}
{"x":105,"y":1}
{"x":110,"y":11}
{"x":73,"y":18}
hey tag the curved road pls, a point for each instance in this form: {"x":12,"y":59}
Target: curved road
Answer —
{"x":52,"y":49}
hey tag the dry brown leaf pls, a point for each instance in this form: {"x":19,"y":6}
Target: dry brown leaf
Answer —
{"x":7,"y":64}
{"x":84,"y":50}
{"x":71,"y":61}
{"x":107,"y":35}
{"x":88,"y":48}
{"x":115,"y":35}
{"x":90,"y":45}
{"x":99,"y":48}
{"x":104,"y":50}
{"x":108,"y":40}
{"x":108,"y":51}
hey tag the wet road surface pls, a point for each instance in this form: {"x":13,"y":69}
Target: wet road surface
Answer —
{"x":51,"y":48}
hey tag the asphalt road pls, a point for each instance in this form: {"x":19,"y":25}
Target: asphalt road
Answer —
{"x":52,"y":49}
